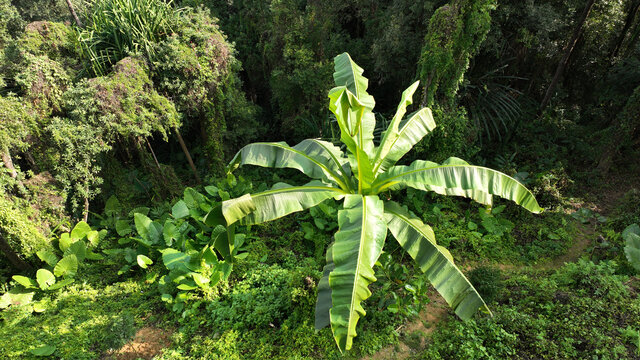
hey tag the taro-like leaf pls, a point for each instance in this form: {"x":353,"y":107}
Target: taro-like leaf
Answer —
{"x":64,"y":242}
{"x":180,"y":210}
{"x":16,"y":297}
{"x":143,"y":261}
{"x":123,"y":227}
{"x":60,"y":284}
{"x":94,"y":237}
{"x":112,"y":207}
{"x":80,"y":230}
{"x":44,"y":350}
{"x":45,"y":278}
{"x":142,"y":225}
{"x":48,"y":257}
{"x":79,"y":249}
{"x":66,"y":267}
{"x":175,"y":260}
{"x":28,"y":283}
{"x":200,"y":280}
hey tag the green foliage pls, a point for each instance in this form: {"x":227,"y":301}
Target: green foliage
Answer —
{"x":401,"y":291}
{"x":16,"y":122}
{"x":79,"y":145}
{"x":122,"y":103}
{"x":626,"y":212}
{"x":488,"y":281}
{"x":196,"y":68}
{"x":103,"y":112}
{"x":51,"y":10}
{"x":577,"y":311}
{"x":263,"y":298}
{"x":456,"y":31}
{"x":53,"y":39}
{"x":631,"y":236}
{"x":364,"y":218}
{"x":119,"y":28}
{"x":73,"y":249}
{"x":454,"y":136}
{"x":197,"y":251}
{"x":43,"y":81}
{"x":19,"y":231}
{"x":192,"y":61}
{"x":83,"y":321}
{"x":11,"y":23}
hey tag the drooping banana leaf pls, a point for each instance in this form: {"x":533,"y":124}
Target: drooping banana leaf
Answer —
{"x":401,"y":137}
{"x":358,"y":244}
{"x":323,"y":303}
{"x":236,"y":209}
{"x":455,"y":177}
{"x":283,"y":199}
{"x":314,"y":158}
{"x":418,"y":240}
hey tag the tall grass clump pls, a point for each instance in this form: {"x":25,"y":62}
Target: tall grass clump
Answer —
{"x":118,"y":28}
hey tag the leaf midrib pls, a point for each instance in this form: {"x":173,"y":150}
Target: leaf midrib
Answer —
{"x":387,"y":182}
{"x":335,"y":176}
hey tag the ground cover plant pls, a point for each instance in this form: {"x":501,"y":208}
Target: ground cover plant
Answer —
{"x":364,"y":219}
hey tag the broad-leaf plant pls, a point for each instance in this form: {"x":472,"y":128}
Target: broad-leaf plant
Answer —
{"x":358,"y":177}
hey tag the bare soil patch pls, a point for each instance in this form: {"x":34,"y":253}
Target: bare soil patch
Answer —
{"x":147,"y":343}
{"x":436,"y":311}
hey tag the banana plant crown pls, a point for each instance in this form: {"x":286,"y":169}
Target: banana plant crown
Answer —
{"x":357,"y":177}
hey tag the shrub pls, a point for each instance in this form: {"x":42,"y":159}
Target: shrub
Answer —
{"x":43,"y":81}
{"x":196,"y":68}
{"x":21,"y":233}
{"x":264,"y":298}
{"x":577,"y":312}
{"x":454,"y":136}
{"x":488,"y":281}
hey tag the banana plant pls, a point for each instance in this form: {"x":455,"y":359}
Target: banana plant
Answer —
{"x":358,"y":177}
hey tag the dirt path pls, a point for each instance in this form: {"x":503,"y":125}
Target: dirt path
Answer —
{"x":147,"y":343}
{"x":436,"y":311}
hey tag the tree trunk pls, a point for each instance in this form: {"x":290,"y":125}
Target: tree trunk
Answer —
{"x":85,"y":212}
{"x":567,"y":53}
{"x":186,"y":153}
{"x":154,"y":155}
{"x":634,"y":8}
{"x":8,"y":163}
{"x":11,"y":255}
{"x":73,"y":13}
{"x":633,"y":39}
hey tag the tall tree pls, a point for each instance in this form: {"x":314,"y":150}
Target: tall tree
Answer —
{"x":567,"y":53}
{"x":633,"y":11}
